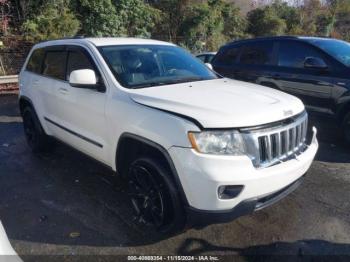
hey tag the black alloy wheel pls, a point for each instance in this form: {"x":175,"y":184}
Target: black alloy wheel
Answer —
{"x":154,"y":197}
{"x":29,"y":129}
{"x":36,"y":138}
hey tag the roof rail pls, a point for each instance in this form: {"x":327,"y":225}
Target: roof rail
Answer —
{"x":271,"y":38}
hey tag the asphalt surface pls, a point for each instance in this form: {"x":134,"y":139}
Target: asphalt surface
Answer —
{"x":64,"y":203}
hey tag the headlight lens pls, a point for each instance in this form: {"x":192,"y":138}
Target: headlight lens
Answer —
{"x":218,"y":142}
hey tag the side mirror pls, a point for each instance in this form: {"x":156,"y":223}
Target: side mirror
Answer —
{"x":315,"y":63}
{"x":83,"y":78}
{"x":209,"y":66}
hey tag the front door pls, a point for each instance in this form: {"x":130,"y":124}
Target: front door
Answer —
{"x":79,"y":113}
{"x":312,"y":86}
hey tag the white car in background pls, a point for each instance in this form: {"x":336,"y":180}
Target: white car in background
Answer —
{"x":194,"y":147}
{"x":206,"y":57}
{"x":7,"y":254}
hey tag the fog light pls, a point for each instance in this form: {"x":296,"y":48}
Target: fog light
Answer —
{"x":228,"y":192}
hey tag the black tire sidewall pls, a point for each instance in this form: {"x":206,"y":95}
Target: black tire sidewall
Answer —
{"x":173,"y":200}
{"x":41,"y":141}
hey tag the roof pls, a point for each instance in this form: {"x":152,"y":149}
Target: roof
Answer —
{"x":125,"y":41}
{"x":104,"y":41}
{"x":276,"y":38}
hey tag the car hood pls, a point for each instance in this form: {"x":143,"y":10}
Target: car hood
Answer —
{"x":221,"y":103}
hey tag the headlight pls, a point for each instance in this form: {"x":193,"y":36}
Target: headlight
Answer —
{"x":218,"y":142}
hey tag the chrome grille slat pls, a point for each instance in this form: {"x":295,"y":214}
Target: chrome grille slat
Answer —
{"x":305,"y":130}
{"x":287,"y":141}
{"x":268,"y":147}
{"x":276,"y":144}
{"x":299,"y":128}
{"x":284,"y":140}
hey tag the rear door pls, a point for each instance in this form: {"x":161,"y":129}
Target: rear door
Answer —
{"x":30,"y":80}
{"x":312,"y":86}
{"x":52,"y":77}
{"x":256,"y":62}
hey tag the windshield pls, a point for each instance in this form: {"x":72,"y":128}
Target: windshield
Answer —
{"x":136,"y":66}
{"x":340,"y":50}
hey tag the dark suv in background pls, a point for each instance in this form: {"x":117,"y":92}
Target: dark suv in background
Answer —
{"x":317,"y":70}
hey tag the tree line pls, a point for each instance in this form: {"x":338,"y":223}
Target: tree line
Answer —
{"x":195,"y":24}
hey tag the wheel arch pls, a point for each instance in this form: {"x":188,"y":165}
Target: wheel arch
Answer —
{"x":343,"y":109}
{"x":130,"y":146}
{"x":24,"y":101}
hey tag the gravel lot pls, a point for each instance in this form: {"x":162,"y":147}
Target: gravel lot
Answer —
{"x":64,"y":203}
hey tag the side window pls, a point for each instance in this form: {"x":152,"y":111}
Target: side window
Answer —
{"x":228,"y":56}
{"x":35,"y":61}
{"x":77,"y":60}
{"x":55,"y":64}
{"x":293,"y":54}
{"x":210,"y":58}
{"x":259,"y":53}
{"x":202,"y":58}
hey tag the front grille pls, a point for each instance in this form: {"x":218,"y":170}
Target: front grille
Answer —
{"x":277,"y":143}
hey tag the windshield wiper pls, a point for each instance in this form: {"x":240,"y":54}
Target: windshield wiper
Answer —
{"x":168,"y":82}
{"x":144,"y":85}
{"x":188,"y":79}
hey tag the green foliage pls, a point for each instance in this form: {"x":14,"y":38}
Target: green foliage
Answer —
{"x":55,"y":21}
{"x":234,"y":23}
{"x":196,"y":24}
{"x":265,"y":22}
{"x":290,"y":15}
{"x":203,"y":25}
{"x":98,"y":18}
{"x":340,"y":10}
{"x":172,"y":16}
{"x":137,"y":18}
{"x":312,"y":18}
{"x":324,"y":24}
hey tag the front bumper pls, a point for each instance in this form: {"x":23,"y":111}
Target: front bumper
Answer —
{"x":201,"y":175}
{"x":200,"y":218}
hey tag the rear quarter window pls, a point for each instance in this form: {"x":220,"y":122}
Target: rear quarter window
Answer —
{"x":35,"y":61}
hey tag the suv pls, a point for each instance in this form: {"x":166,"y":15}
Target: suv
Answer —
{"x":195,"y":148}
{"x":314,"y":69}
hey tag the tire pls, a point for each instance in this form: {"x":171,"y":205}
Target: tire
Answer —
{"x":154,"y":197}
{"x":35,"y":135}
{"x":346,"y":128}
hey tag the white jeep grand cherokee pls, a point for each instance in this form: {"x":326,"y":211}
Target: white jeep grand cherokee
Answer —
{"x":194,"y":147}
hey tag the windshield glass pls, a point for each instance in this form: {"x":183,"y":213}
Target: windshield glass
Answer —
{"x":340,"y":50}
{"x":139,"y":66}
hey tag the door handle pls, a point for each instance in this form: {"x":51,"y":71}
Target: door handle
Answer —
{"x":63,"y":91}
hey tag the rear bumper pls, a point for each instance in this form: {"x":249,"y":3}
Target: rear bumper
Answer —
{"x":201,"y":218}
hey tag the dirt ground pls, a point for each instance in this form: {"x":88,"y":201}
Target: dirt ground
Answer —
{"x":64,"y":203}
